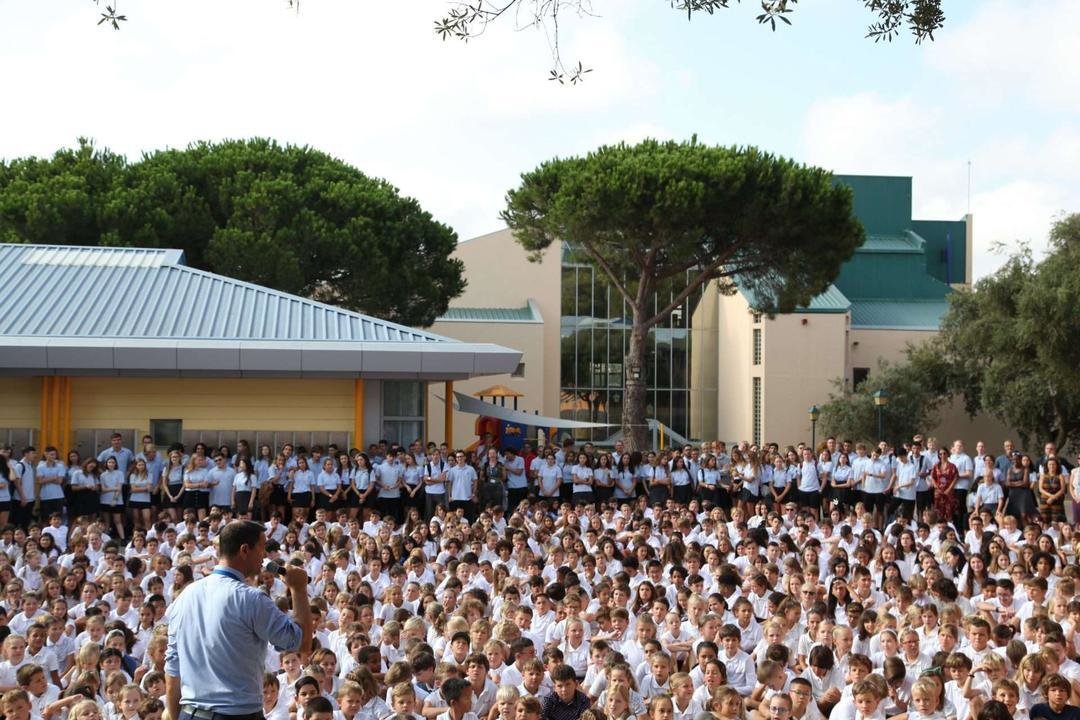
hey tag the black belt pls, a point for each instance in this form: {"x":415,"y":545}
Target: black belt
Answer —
{"x":200,"y":714}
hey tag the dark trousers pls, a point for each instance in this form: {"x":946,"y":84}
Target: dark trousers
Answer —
{"x":960,"y":518}
{"x":514,"y":496}
{"x":48,"y":507}
{"x":491,"y":493}
{"x":391,"y":507}
{"x":432,"y":501}
{"x":22,"y":515}
{"x":467,"y":505}
{"x":924,"y":500}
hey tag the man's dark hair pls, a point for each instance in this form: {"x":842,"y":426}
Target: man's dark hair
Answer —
{"x":236,"y":534}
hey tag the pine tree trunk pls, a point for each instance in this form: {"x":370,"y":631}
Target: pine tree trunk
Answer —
{"x":635,"y":434}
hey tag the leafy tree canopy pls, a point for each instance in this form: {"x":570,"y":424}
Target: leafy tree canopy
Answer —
{"x":649,"y":212}
{"x":1011,"y":341}
{"x":1007,"y":347}
{"x":468,"y":19}
{"x":913,"y":401}
{"x":290,"y":218}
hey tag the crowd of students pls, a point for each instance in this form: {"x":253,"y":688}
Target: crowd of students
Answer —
{"x":562,"y":583}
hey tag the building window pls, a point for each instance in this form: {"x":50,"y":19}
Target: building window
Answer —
{"x":757,"y":346}
{"x":403,"y":411}
{"x":757,"y":318}
{"x":757,"y":411}
{"x":858,"y":377}
{"x":595,"y":329}
{"x":519,"y":371}
{"x":167,"y":432}
{"x":605,"y":375}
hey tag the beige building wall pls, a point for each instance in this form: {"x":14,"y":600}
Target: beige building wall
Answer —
{"x":734,"y":411}
{"x":526,"y":337}
{"x":868,"y":345}
{"x":704,"y":364}
{"x":500,"y":275}
{"x":802,"y":354}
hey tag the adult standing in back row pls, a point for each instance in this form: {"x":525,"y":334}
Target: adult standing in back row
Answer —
{"x":965,"y":472}
{"x":463,"y":481}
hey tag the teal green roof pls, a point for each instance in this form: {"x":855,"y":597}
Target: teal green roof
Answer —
{"x":946,"y":248}
{"x":830,"y":301}
{"x":881,"y":202}
{"x":887,"y":313}
{"x":525,"y":314}
{"x":907,"y":242}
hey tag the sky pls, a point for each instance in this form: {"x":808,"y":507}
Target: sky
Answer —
{"x":455,"y":124}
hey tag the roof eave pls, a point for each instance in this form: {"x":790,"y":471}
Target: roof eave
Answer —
{"x":96,"y":356}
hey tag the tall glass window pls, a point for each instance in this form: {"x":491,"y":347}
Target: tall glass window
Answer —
{"x":595,"y":331}
{"x":403,"y":411}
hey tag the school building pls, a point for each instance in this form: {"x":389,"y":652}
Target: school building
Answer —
{"x":97,"y":339}
{"x":717,"y":369}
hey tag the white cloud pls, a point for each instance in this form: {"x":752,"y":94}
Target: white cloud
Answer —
{"x":1019,"y":212}
{"x":1005,"y":96}
{"x":1013,"y":50}
{"x":865,"y":133}
{"x":371,"y":83}
{"x":454,"y":125}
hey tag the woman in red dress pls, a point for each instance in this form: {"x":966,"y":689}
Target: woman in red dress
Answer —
{"x":944,"y":476}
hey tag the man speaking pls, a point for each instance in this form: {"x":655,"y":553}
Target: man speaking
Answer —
{"x":219,"y":628}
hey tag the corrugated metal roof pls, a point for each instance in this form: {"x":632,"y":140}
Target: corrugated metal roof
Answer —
{"x":830,"y":301}
{"x":489,"y":314}
{"x":899,"y":314}
{"x":61,"y":291}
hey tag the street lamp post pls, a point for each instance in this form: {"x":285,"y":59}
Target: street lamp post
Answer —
{"x":881,"y":399}
{"x":815,"y":412}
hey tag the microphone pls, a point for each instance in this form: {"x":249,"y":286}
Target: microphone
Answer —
{"x":273,"y":567}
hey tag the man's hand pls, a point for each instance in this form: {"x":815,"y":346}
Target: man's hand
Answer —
{"x":296,"y":578}
{"x":831,"y":696}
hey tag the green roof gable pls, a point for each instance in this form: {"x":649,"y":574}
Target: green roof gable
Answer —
{"x":830,"y":301}
{"x":527,"y":314}
{"x":902,"y":259}
{"x":892,"y":314}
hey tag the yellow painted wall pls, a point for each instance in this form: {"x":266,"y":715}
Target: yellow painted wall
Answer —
{"x":212,"y":403}
{"x":20,"y":402}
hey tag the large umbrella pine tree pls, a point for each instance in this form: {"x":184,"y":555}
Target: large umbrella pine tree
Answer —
{"x":644,"y":214}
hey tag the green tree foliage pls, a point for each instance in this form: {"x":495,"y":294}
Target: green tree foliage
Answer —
{"x":288,"y":217}
{"x":646,"y":213}
{"x":1011,"y":341}
{"x":1006,"y":348}
{"x":912,"y":406}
